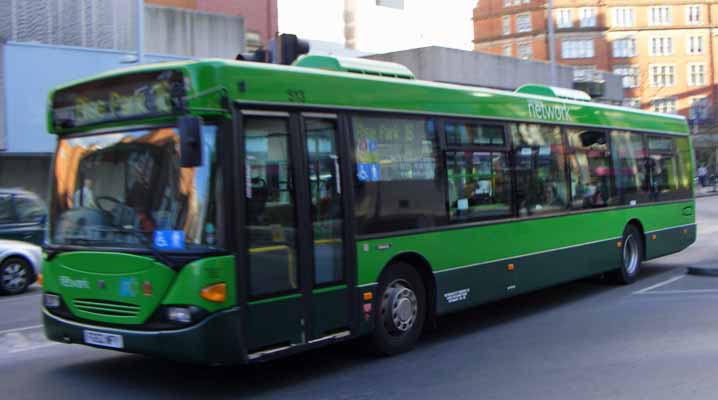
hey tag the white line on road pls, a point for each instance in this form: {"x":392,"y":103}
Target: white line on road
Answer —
{"x":686,"y":291}
{"x":656,"y":286}
{"x":26,"y":328}
{"x":39,"y":346}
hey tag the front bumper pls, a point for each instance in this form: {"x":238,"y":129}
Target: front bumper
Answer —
{"x":215,"y":340}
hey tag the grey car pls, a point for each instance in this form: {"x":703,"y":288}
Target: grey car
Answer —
{"x":20,"y":265}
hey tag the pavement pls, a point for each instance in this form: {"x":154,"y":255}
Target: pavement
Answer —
{"x":655,"y":339}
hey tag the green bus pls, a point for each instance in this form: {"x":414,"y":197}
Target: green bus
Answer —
{"x":224,"y":212}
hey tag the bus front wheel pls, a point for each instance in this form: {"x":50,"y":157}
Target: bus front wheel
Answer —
{"x":399,"y":318}
{"x":631,"y":251}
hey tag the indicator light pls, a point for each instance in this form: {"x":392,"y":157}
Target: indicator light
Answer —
{"x":510,"y":267}
{"x":147,"y":288}
{"x":216,"y":293}
{"x":619,"y":244}
{"x":51,"y":300}
{"x":40,"y":279}
{"x":368,"y":296}
{"x":653,"y":237}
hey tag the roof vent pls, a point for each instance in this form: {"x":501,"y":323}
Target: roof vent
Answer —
{"x":552,"y":91}
{"x":355,"y":65}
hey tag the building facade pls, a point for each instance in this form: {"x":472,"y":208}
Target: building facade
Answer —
{"x":663,"y":48}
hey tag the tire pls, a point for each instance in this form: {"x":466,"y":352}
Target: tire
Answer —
{"x":15,"y":275}
{"x":400,"y":310}
{"x":631,"y":254}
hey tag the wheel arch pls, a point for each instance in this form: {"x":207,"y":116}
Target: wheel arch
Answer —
{"x":638,"y":225}
{"x":423,"y":267}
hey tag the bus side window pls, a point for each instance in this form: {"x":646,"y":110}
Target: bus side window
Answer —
{"x":664,"y":167}
{"x":478,"y":172}
{"x":539,"y":159}
{"x":590,"y":167}
{"x":685,"y":161}
{"x":629,"y":163}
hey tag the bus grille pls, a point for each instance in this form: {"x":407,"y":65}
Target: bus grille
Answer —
{"x":103,"y":307}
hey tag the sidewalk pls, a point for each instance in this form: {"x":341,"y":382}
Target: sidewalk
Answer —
{"x":705,"y":191}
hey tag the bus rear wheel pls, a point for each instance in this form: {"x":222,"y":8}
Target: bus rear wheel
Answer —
{"x":631,"y":255}
{"x":399,"y":318}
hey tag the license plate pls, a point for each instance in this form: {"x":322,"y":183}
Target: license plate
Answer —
{"x":104,"y":339}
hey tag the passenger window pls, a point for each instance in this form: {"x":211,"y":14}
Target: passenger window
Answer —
{"x":539,"y":156}
{"x":6,"y":210}
{"x":685,"y":160}
{"x":29,"y":210}
{"x":663,"y":169}
{"x":396,"y":175}
{"x":467,"y":133}
{"x":629,"y":163}
{"x":590,"y":165}
{"x":479,"y":185}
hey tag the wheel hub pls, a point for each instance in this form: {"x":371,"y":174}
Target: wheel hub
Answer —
{"x":399,"y":308}
{"x":14,"y":277}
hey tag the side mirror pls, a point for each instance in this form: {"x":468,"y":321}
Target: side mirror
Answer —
{"x":190,"y":130}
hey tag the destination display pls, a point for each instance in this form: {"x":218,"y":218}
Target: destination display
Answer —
{"x":146,"y":94}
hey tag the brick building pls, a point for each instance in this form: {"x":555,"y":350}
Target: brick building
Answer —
{"x":663,"y":48}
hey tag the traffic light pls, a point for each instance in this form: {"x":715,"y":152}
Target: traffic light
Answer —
{"x":290,"y":47}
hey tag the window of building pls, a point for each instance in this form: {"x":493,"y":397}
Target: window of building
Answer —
{"x":398,"y":4}
{"x":696,"y":74}
{"x":507,"y":3}
{"x":539,"y":159}
{"x":700,"y":109}
{"x":666,"y":105}
{"x":629,"y":166}
{"x":584,"y":73}
{"x":662,"y":75}
{"x":588,"y":17}
{"x":507,"y":50}
{"x":695,"y":45}
{"x":564,"y":19}
{"x":581,"y":48}
{"x":693,"y":15}
{"x":590,"y":166}
{"x":629,"y":74}
{"x":632,"y":102}
{"x":623,"y":17}
{"x":660,"y":15}
{"x":525,"y":51}
{"x":396,"y":158}
{"x":523,"y":23}
{"x":506,"y":25}
{"x":661,"y":46}
{"x":479,"y":184}
{"x":625,"y":47}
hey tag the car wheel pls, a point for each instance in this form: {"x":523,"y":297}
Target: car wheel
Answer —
{"x":401,"y":312}
{"x":15,"y":275}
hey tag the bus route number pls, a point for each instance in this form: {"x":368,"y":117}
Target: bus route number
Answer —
{"x":296,"y":96}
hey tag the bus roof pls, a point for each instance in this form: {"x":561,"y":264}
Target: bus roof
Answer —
{"x":317,"y":86}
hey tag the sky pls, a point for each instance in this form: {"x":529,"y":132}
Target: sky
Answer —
{"x":422,"y":23}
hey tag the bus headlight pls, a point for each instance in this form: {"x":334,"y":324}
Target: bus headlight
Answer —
{"x":182,"y":315}
{"x":51,"y":300}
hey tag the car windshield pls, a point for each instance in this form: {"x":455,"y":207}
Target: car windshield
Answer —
{"x":127,"y":189}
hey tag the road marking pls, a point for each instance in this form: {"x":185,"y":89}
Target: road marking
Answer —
{"x":686,"y":291}
{"x":19,"y":298}
{"x":39,"y":346}
{"x":656,"y":286}
{"x":26,"y":328}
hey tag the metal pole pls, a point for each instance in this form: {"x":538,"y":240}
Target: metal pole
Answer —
{"x":140,"y":29}
{"x":552,"y":44}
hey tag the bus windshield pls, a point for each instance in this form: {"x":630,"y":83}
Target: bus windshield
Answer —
{"x":127,"y":189}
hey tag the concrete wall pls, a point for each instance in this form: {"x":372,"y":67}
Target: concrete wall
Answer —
{"x":442,"y":64}
{"x":28,"y":79}
{"x":193,"y":33}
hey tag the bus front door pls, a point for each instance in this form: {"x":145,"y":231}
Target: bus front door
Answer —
{"x":294,"y":231}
